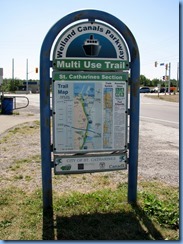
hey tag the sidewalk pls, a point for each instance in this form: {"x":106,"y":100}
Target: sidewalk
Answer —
{"x":9,"y":121}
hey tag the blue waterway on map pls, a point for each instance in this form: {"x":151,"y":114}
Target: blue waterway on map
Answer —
{"x":84,"y":89}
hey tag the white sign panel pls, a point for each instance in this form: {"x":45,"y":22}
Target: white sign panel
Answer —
{"x":89,"y":115}
{"x":68,"y":165}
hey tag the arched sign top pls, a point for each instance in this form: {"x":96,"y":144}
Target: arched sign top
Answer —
{"x":91,"y":15}
{"x":91,"y":40}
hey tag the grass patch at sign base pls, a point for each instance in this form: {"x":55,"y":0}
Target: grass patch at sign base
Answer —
{"x":99,"y":215}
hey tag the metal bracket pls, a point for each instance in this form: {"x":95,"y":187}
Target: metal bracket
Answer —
{"x":52,"y":164}
{"x":128,"y":145}
{"x":91,"y":20}
{"x":129,"y":81}
{"x":51,"y":112}
{"x":51,"y":81}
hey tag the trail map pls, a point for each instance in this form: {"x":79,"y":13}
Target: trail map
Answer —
{"x":89,"y":116}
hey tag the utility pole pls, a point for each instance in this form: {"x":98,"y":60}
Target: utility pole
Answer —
{"x":166,"y":68}
{"x":27,"y":87}
{"x":13,"y":69}
{"x":177,"y":76}
{"x":13,"y":78}
{"x":169,"y":79}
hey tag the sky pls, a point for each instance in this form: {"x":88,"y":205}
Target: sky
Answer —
{"x":24,"y":25}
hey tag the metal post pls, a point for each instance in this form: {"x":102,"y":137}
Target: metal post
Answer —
{"x":134,"y":127}
{"x":45,"y":128}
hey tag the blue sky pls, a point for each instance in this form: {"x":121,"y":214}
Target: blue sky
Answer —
{"x":24,"y":24}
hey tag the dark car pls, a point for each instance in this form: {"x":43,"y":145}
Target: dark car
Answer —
{"x":145,"y":89}
{"x":172,"y":89}
{"x":163,"y":89}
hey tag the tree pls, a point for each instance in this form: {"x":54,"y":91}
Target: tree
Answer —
{"x":155,"y":82}
{"x":144,"y":81}
{"x":11,"y":85}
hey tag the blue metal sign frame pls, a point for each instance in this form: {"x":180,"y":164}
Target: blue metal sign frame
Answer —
{"x":45,"y":111}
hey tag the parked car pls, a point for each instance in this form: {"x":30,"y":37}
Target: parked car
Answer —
{"x":144,"y":89}
{"x":172,"y":89}
{"x":154,"y":90}
{"x":163,"y":89}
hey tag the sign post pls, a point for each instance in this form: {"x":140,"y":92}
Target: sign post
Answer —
{"x":92,"y":61}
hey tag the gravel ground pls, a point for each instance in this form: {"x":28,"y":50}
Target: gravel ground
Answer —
{"x":159,"y":152}
{"x":20,"y":160}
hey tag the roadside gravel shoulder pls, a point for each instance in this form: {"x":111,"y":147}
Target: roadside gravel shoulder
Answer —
{"x":159,"y":153}
{"x":21,"y":167}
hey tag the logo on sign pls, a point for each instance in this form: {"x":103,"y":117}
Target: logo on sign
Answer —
{"x":91,"y":46}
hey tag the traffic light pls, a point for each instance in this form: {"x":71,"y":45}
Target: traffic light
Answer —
{"x":164,"y":77}
{"x":36,"y":70}
{"x":156,"y":64}
{"x":166,"y":66}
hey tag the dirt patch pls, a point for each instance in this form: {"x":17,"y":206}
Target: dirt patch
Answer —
{"x":167,"y":97}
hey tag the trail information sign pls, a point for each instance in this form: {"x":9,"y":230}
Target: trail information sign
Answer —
{"x":91,"y":55}
{"x":90,"y":100}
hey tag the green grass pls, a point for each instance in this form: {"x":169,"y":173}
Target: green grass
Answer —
{"x":22,"y":130}
{"x":98,"y":215}
{"x":17,"y":165}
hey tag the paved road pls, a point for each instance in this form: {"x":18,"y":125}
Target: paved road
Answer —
{"x":27,"y":114}
{"x":154,"y":110}
{"x":159,"y":111}
{"x":151,"y":110}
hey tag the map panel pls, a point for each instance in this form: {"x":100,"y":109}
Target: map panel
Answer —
{"x":89,"y":115}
